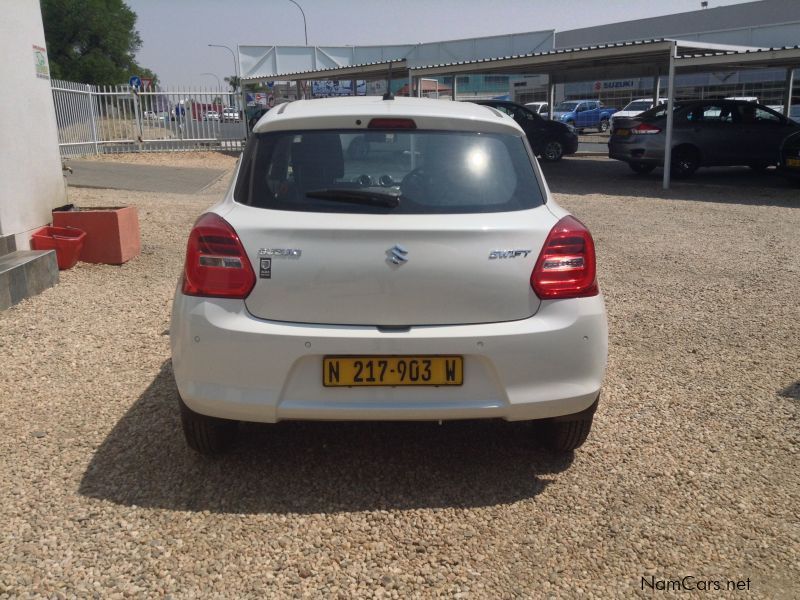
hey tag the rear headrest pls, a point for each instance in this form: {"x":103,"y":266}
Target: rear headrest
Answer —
{"x":318,"y":159}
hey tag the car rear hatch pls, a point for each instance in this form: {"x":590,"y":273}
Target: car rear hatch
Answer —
{"x":417,"y":228}
{"x":374,"y":270}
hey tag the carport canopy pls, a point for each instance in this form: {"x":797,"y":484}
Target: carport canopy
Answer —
{"x":642,"y":58}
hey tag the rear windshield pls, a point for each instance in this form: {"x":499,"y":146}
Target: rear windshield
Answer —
{"x":398,"y":172}
{"x":638,"y":106}
{"x":658,"y":112}
{"x":566,"y":106}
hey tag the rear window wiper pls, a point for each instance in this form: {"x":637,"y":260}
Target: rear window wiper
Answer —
{"x":364,"y":197}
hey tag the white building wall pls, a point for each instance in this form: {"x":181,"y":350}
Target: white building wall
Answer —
{"x":31,"y":183}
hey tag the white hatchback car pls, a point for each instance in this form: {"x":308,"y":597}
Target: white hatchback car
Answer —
{"x":440,"y":281}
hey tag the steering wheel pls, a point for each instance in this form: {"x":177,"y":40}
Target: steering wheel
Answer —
{"x":413,"y":181}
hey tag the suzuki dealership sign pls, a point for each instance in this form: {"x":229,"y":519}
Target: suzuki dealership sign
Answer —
{"x":617,"y":84}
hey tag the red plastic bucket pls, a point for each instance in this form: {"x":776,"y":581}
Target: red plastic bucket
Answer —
{"x":66,"y":241}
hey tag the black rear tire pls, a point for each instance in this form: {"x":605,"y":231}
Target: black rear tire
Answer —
{"x":603,"y":126}
{"x":568,"y":433}
{"x":685,"y":161}
{"x":642,"y":168}
{"x":209,"y":436}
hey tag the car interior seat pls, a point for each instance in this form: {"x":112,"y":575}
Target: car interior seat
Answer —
{"x":317,"y":161}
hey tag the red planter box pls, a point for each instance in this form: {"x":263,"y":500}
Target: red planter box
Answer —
{"x":112,"y":234}
{"x":67,"y":242}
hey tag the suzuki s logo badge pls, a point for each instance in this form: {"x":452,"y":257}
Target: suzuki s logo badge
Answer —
{"x":397,"y":255}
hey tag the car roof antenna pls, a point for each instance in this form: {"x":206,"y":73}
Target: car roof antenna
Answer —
{"x":388,"y":95}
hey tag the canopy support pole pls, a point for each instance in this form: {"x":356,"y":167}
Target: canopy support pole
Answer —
{"x":670,"y":116}
{"x":551,"y":96}
{"x":787,"y":93}
{"x":656,"y":84}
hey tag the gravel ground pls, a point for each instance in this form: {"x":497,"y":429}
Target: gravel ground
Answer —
{"x":691,"y":469}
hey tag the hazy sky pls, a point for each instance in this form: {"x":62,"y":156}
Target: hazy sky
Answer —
{"x":176,"y":33}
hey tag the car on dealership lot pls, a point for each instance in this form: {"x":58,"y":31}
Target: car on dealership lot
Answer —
{"x":794,"y":111}
{"x":151,"y":115}
{"x":634,"y":108}
{"x":705,"y":133}
{"x":550,"y":140}
{"x":211,"y":115}
{"x":753,"y":99}
{"x":789,"y":162}
{"x":582,"y":114}
{"x":230,"y":114}
{"x":438,"y":284}
{"x":540,"y":108}
{"x":255,"y":115}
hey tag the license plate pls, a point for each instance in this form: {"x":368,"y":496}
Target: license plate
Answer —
{"x":622,"y":132}
{"x":352,"y":371}
{"x":793,"y":162}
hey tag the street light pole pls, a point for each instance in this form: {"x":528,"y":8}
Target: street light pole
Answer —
{"x":305,"y":27}
{"x":233,"y":54}
{"x":219,"y":84}
{"x":235,"y":62}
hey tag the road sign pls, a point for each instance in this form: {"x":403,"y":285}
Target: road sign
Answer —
{"x":146,"y":83}
{"x":135,"y":81}
{"x":270,"y":84}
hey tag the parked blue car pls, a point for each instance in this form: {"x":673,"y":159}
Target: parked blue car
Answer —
{"x":583,"y":114}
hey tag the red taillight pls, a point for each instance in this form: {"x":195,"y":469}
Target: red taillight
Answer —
{"x":566,"y":267}
{"x":645,"y":129}
{"x":216,"y":263}
{"x":392,"y":124}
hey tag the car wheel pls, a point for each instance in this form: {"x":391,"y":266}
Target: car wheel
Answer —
{"x":552,"y":151}
{"x":685,"y":161}
{"x":759,"y":167}
{"x":568,"y":433}
{"x":207,"y":435}
{"x":603,"y":126}
{"x":253,"y":123}
{"x":641,"y":168}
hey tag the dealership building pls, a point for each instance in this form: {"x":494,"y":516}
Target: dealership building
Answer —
{"x":764,"y":24}
{"x":761,"y":24}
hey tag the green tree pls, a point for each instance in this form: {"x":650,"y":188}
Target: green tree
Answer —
{"x":92,"y":41}
{"x":234,"y":82}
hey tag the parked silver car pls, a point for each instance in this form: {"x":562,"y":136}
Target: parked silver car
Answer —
{"x":705,"y":133}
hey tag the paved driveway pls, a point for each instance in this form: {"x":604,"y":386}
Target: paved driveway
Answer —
{"x":142,"y":178}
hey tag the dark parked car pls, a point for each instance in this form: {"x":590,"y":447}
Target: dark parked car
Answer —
{"x":256,"y":116}
{"x":550,"y":140}
{"x":790,"y":156}
{"x":705,"y":133}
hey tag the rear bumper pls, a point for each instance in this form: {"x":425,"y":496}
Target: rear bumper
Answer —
{"x":570,"y":144}
{"x":636,"y":150}
{"x":232,"y":365}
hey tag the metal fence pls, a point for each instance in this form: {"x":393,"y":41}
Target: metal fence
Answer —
{"x":114,"y":119}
